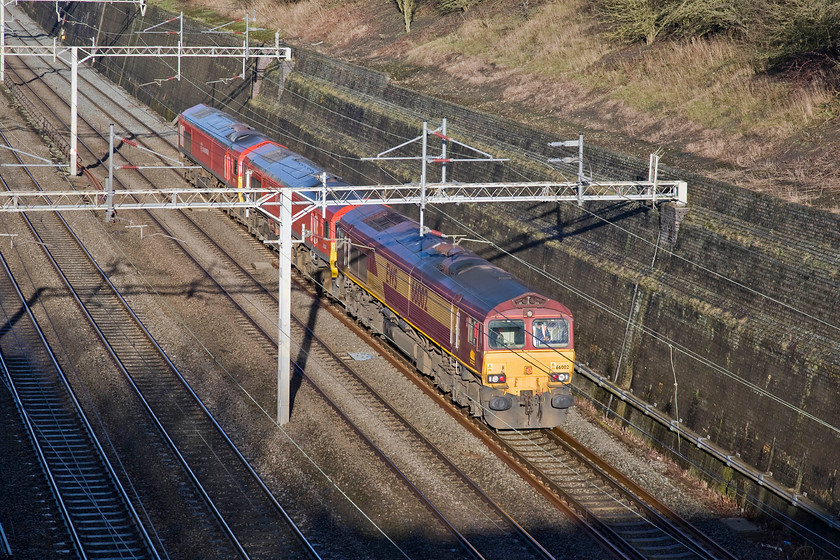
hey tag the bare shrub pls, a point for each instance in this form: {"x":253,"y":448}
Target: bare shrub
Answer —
{"x":647,"y":20}
{"x":633,"y":20}
{"x":802,"y":34}
{"x":448,"y":6}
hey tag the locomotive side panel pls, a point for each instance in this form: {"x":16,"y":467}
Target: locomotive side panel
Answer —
{"x":508,"y":384}
{"x":207,"y":129}
{"x":201,"y":149}
{"x":431,"y":311}
{"x":396,"y":285}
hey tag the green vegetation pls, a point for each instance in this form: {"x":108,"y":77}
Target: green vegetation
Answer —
{"x":748,"y":84}
{"x":800,"y":30}
{"x":782,"y":33}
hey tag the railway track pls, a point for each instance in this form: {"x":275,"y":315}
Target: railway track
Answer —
{"x":638,"y":523}
{"x":96,"y":510}
{"x":506,"y":535}
{"x":31,"y":519}
{"x":635,"y":536}
{"x":628,"y":521}
{"x":509,"y":539}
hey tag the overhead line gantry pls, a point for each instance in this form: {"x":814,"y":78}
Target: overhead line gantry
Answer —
{"x":411,"y":194}
{"x":312,"y":199}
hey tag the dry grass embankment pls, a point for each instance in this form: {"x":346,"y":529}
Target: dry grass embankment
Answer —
{"x":549,"y":63}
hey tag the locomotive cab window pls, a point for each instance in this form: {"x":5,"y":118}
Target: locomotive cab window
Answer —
{"x":551,"y":333}
{"x":506,"y":334}
{"x":473,"y":331}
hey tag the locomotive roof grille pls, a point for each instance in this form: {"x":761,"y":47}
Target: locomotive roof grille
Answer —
{"x":454,"y":266}
{"x":200,"y":114}
{"x":276,"y":155}
{"x":220,"y":122}
{"x":385,"y":220}
{"x":298,"y":167}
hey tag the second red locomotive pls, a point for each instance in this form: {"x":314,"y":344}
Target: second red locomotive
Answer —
{"x":489,"y":341}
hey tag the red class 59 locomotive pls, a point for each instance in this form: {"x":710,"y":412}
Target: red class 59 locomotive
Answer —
{"x":485,"y":338}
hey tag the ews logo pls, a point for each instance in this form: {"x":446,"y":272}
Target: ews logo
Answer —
{"x":419,"y":295}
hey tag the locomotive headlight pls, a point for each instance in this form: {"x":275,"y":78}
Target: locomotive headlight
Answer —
{"x":497,"y":378}
{"x":559,"y":377}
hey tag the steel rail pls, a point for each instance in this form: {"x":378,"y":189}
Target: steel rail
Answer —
{"x":5,"y":547}
{"x":57,"y":495}
{"x":639,"y":521}
{"x":703,"y":443}
{"x":64,"y":450}
{"x":208,"y":416}
{"x":599,"y":530}
{"x":459,"y":536}
{"x":696,"y":538}
{"x":86,"y":428}
{"x":231,"y":533}
{"x":365,"y":438}
{"x":439,"y":454}
{"x":477,"y":429}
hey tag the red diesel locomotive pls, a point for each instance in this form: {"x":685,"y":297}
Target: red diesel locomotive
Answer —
{"x":485,"y":338}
